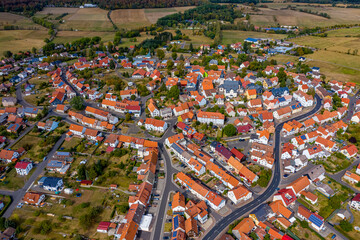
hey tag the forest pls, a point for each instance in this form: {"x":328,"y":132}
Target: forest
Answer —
{"x":30,"y":7}
{"x":201,"y":14}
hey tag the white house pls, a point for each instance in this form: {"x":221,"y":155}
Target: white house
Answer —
{"x":155,"y":125}
{"x":305,"y":99}
{"x":23,"y":168}
{"x":215,"y":118}
{"x":239,"y":194}
{"x":355,"y":202}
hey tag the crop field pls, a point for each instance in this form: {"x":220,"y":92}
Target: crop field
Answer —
{"x":69,"y":36}
{"x":86,"y":19}
{"x":153,"y":14}
{"x":278,"y":14}
{"x":230,"y":36}
{"x":136,"y":18}
{"x":18,"y":21}
{"x":21,"y":40}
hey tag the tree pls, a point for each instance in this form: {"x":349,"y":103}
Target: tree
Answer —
{"x":127,"y":117}
{"x":230,"y":130}
{"x":34,"y":50}
{"x":311,"y":92}
{"x":174,"y":55}
{"x":174,"y":92}
{"x":133,"y":97}
{"x":346,"y":225}
{"x":8,"y":54}
{"x":112,"y":64}
{"x":282,"y":77}
{"x":77,"y":103}
{"x":160,"y":53}
{"x":169,"y":65}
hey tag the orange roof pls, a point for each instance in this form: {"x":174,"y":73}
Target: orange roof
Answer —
{"x":178,"y":200}
{"x":76,"y":128}
{"x":251,"y":92}
{"x":300,"y":184}
{"x":212,"y":115}
{"x":155,"y":122}
{"x":240,"y":191}
{"x":278,"y":208}
{"x":245,"y":226}
{"x":309,"y":195}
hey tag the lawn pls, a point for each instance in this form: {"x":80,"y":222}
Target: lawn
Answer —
{"x":21,"y":40}
{"x":68,"y":145}
{"x":30,"y":216}
{"x":14,"y":181}
{"x":32,"y":141}
{"x":230,"y":36}
{"x":196,"y":40}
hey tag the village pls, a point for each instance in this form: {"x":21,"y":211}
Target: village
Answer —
{"x":161,"y":146}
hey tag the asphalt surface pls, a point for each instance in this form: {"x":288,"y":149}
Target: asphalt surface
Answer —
{"x":229,"y":219}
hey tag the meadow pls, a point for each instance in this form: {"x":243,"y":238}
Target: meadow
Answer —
{"x":277,"y":13}
{"x":19,"y":21}
{"x":230,"y":37}
{"x":21,"y":40}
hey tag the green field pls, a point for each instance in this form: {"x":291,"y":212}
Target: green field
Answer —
{"x":230,"y":37}
{"x":19,"y":21}
{"x":69,"y":36}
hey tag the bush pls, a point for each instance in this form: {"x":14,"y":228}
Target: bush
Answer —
{"x":230,"y":130}
{"x":346,"y":225}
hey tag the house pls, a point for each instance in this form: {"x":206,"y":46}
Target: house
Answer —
{"x":178,"y":223}
{"x":48,"y":125}
{"x":31,"y":112}
{"x":310,"y":197}
{"x":103,"y":227}
{"x":155,"y":125}
{"x":355,"y":202}
{"x":239,"y":194}
{"x":191,"y":228}
{"x":8,"y":234}
{"x":214,"y":200}
{"x":316,"y":221}
{"x":53,"y":184}
{"x":299,"y":185}
{"x":154,"y":111}
{"x":77,"y":130}
{"x":33,"y":198}
{"x":241,"y":230}
{"x":282,"y":113}
{"x":9,"y":101}
{"x":247,"y":175}
{"x":9,"y":155}
{"x":230,"y":88}
{"x":349,"y":151}
{"x":351,"y":177}
{"x":128,"y":93}
{"x":286,"y":196}
{"x":316,"y":173}
{"x":215,"y":118}
{"x":23,"y":168}
{"x":250,"y":94}
{"x":178,"y":203}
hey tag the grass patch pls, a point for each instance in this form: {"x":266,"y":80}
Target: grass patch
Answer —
{"x":230,"y":37}
{"x":14,"y":181}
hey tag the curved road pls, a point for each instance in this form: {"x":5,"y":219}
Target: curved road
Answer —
{"x":229,"y":219}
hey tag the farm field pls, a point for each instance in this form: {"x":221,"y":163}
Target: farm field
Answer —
{"x":18,"y":21}
{"x":196,"y":40}
{"x":137,"y":18}
{"x":69,"y":36}
{"x":230,"y":36}
{"x":21,"y":40}
{"x":277,"y":14}
{"x":86,"y":19}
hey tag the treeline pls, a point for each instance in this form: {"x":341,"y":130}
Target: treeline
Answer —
{"x":321,"y":14}
{"x":43,"y":22}
{"x":30,"y":7}
{"x":201,"y":14}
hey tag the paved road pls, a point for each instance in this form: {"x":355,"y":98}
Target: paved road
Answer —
{"x":18,"y":195}
{"x":226,"y":221}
